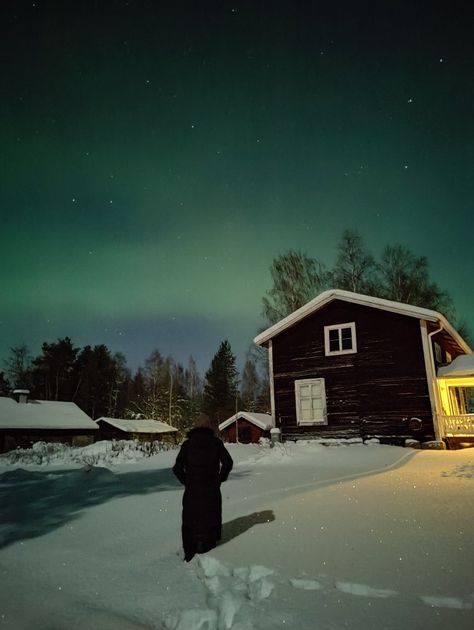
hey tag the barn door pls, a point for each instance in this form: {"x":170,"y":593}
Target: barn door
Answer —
{"x":310,"y":397}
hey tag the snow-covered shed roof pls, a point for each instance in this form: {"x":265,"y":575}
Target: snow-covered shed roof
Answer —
{"x":365,"y":300}
{"x":43,"y":414}
{"x":139,"y":426}
{"x":462,"y":365}
{"x":262,"y":420}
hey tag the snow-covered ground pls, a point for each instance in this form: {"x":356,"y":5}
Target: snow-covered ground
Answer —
{"x":315,"y":537}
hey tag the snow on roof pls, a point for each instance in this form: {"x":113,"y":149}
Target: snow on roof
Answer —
{"x":262,"y":420}
{"x":365,"y":300}
{"x":43,"y":414}
{"x":139,"y":426}
{"x":461,"y":366}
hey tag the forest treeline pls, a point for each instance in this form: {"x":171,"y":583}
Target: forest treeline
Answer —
{"x":101,"y":384}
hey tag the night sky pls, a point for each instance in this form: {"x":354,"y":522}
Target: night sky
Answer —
{"x":156,"y":156}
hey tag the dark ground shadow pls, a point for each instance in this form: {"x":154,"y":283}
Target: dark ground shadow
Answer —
{"x":240,"y":525}
{"x":33,"y":503}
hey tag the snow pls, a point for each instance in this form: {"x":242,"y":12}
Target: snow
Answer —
{"x":139,"y":426}
{"x":262,"y":420}
{"x":43,"y":414}
{"x":314,"y":537}
{"x":462,"y":365}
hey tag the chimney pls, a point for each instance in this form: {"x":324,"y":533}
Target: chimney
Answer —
{"x":22,"y":395}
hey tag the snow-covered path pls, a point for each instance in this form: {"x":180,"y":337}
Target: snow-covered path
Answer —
{"x":314,"y":537}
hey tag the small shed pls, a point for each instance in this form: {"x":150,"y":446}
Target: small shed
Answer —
{"x":143,"y":430}
{"x":246,"y":427}
{"x":28,"y":421}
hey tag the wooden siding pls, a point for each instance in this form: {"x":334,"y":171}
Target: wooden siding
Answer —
{"x":109,"y":432}
{"x":374,"y":391}
{"x":254,"y":432}
{"x":11,"y":439}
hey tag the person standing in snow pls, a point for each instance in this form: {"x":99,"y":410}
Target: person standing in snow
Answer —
{"x":203,"y":463}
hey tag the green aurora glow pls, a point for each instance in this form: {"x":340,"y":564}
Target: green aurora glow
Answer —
{"x":157,"y":158}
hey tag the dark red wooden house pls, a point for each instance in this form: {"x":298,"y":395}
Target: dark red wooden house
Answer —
{"x":142,"y":430}
{"x":28,"y":421}
{"x":350,"y":365}
{"x":246,"y":427}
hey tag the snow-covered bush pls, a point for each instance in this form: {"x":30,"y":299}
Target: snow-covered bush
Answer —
{"x":101,"y":453}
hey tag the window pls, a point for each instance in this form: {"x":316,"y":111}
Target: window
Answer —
{"x":461,"y":400}
{"x":310,"y":397}
{"x":438,"y":353}
{"x":340,"y":339}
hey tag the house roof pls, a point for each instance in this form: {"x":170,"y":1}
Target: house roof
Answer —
{"x":364,"y":300}
{"x":139,"y":426}
{"x":461,"y":366}
{"x":43,"y":414}
{"x":262,"y":420}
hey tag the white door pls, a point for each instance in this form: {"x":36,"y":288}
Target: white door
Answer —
{"x":310,"y":397}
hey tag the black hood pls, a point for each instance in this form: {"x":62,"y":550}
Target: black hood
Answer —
{"x":201,"y":433}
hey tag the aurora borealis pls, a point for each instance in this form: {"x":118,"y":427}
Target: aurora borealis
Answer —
{"x":157,"y":156}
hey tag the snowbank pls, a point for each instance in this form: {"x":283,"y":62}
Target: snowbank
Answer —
{"x":103,"y":453}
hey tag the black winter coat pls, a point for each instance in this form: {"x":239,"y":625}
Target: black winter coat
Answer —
{"x":203,"y":463}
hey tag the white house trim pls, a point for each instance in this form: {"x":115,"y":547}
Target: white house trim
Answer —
{"x":431,"y":380}
{"x":364,"y":300}
{"x":272,"y":384}
{"x":138,"y":426}
{"x":328,"y":352}
{"x":261,"y":420}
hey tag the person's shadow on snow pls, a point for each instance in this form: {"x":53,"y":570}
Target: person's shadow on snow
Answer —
{"x":239,"y":525}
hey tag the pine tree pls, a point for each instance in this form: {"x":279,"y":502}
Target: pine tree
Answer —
{"x":53,"y":370}
{"x":95,"y":379}
{"x":220,"y":387}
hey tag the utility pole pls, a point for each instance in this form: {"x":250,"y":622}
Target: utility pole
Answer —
{"x":171,"y":394}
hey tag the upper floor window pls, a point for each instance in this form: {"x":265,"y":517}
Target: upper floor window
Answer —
{"x":340,"y":339}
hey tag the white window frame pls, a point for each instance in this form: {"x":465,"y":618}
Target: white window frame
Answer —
{"x":339,"y":327}
{"x":310,"y":381}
